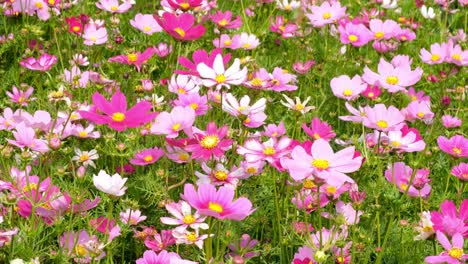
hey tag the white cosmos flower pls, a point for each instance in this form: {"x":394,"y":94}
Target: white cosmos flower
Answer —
{"x":86,"y":157}
{"x":427,"y":12}
{"x":219,"y":76}
{"x":299,"y":106}
{"x":113,"y":185}
{"x":389,"y":4}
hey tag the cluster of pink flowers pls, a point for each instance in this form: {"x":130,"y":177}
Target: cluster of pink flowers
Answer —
{"x":448,"y":52}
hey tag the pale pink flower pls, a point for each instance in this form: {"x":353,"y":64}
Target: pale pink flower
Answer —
{"x":184,"y":217}
{"x":132,"y":217}
{"x":347,"y":88}
{"x":146,"y":24}
{"x":383,"y":119}
{"x":93,"y":35}
{"x":25,"y":137}
{"x":170,"y":124}
{"x":114,"y":6}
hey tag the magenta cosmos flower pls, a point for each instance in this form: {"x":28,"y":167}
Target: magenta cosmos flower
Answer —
{"x":453,"y":253}
{"x":147,"y":156}
{"x":456,"y":146}
{"x":21,"y":97}
{"x":460,"y":171}
{"x":200,"y":56}
{"x":217,"y":203}
{"x":224,"y":20}
{"x":319,"y":129}
{"x":400,"y":175}
{"x":210,"y":142}
{"x":164,"y":257}
{"x":449,"y":220}
{"x":115,"y":113}
{"x":43,"y":63}
{"x":181,"y":27}
{"x":135,"y":58}
{"x":323,"y":163}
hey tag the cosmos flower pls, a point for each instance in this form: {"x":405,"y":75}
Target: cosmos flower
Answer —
{"x":456,"y":146}
{"x":147,"y":156}
{"x":347,"y":88}
{"x":146,"y":24}
{"x":209,"y":143}
{"x":453,"y":253}
{"x":21,"y":97}
{"x":43,"y":63}
{"x":219,"y":76}
{"x":134,"y":58}
{"x":181,"y":27}
{"x":451,"y":221}
{"x":113,"y":185}
{"x":114,"y":6}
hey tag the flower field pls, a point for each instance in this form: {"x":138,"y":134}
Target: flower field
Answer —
{"x":233,"y":131}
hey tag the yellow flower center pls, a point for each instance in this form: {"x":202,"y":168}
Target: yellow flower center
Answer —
{"x":269,"y":151}
{"x":299,"y":107}
{"x":241,"y":108}
{"x":220,"y":78}
{"x":396,"y":143}
{"x":435,"y":57}
{"x":256,"y":82}
{"x":227,"y":43}
{"x":379,"y":35}
{"x":427,"y":228}
{"x":93,"y":38}
{"x":215,"y":207}
{"x":114,"y":8}
{"x":76,"y":28}
{"x":30,"y":187}
{"x":83,"y":134}
{"x":321,"y":164}
{"x":247,"y":120}
{"x":146,"y":28}
{"x":309,"y":184}
{"x":252,"y":170}
{"x":404,"y":186}
{"x":352,"y":38}
{"x":420,"y":114}
{"x":456,"y":253}
{"x":246,"y":45}
{"x":39,"y":4}
{"x":118,"y":117}
{"x":51,"y":2}
{"x":180,"y":31}
{"x":84,"y":157}
{"x":194,"y":106}
{"x":287,"y":7}
{"x":191,"y":237}
{"x":220,"y":175}
{"x":457,"y":150}
{"x":348,"y":92}
{"x":404,"y":38}
{"x":414,"y":98}
{"x":80,"y":250}
{"x":223,"y":22}
{"x":371,"y":95}
{"x":184,"y":156}
{"x":382,"y":124}
{"x":148,"y":158}
{"x":209,"y":142}
{"x":181,"y":91}
{"x":132,"y":57}
{"x":282,"y":28}
{"x":176,"y":127}
{"x":316,"y":136}
{"x":326,"y":15}
{"x":331,"y":189}
{"x":189,"y":219}
{"x":456,"y":56}
{"x":392,"y":80}
{"x":184,"y":5}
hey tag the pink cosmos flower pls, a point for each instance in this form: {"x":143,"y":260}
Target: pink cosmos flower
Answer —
{"x":131,"y":217}
{"x":348,"y":212}
{"x":227,"y":42}
{"x":323,"y":163}
{"x":383,"y":119}
{"x":75,"y":78}
{"x":43,"y":63}
{"x":219,"y":76}
{"x":21,"y":97}
{"x":93,"y":35}
{"x":271,"y":150}
{"x":217,"y":203}
{"x":115,"y":114}
{"x":136,"y":58}
{"x":460,"y":171}
{"x":170,"y":124}
{"x":209,"y":143}
{"x":251,"y":116}
{"x":159,"y":241}
{"x":164,"y":257}
{"x":347,"y":88}
{"x":418,"y":110}
{"x":357,"y":115}
{"x":418,"y":95}
{"x":279,"y":25}
{"x":7,"y":235}
{"x":224,"y":20}
{"x":319,"y":130}
{"x":162,"y":50}
{"x":147,"y":156}
{"x":184,"y":217}
{"x":146,"y":24}
{"x":437,"y":54}
{"x":451,"y":221}
{"x":81,"y":246}
{"x":358,"y":35}
{"x":400,"y":175}
{"x":456,"y":146}
{"x":393,"y":77}
{"x":405,"y":140}
{"x":114,"y":6}
{"x":372,"y":92}
{"x":25,"y":137}
{"x":185,"y":5}
{"x":456,"y":55}
{"x":453,"y":253}
{"x":181,"y":27}
{"x":243,"y":248}
{"x":219,"y":175}
{"x":190,"y":237}
{"x":200,"y":56}
{"x":451,"y":121}
{"x":274,"y":131}
{"x":303,"y":68}
{"x":383,"y":30}
{"x":248,"y":41}
{"x":325,"y":14}
{"x":183,"y":84}
{"x":193,"y":100}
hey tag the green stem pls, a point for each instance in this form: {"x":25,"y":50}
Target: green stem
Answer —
{"x":381,"y":253}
